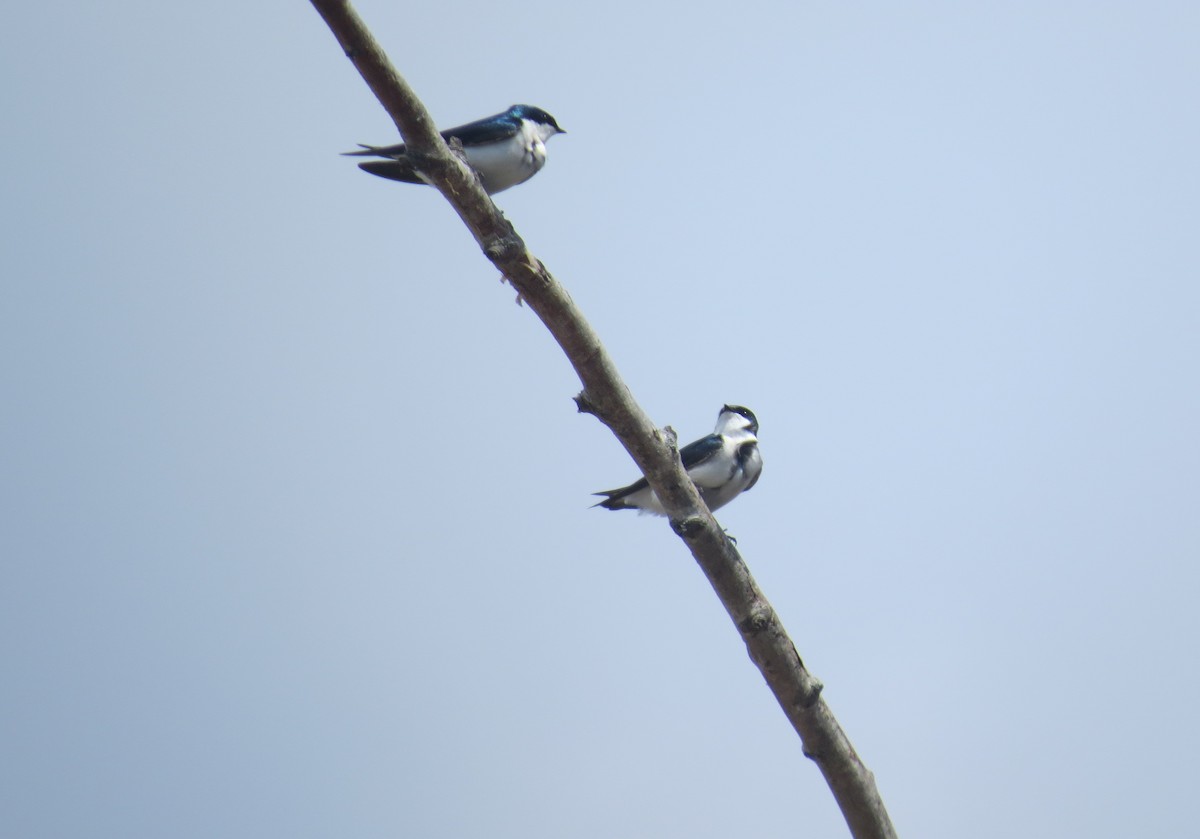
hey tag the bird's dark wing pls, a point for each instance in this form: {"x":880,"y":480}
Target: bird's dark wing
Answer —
{"x":693,"y":454}
{"x":744,"y":452}
{"x":490,"y":130}
{"x":396,"y":170}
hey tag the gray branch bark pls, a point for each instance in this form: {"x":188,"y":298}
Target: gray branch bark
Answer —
{"x":606,"y":396}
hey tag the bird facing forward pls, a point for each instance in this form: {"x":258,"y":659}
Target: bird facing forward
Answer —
{"x":722,"y":465}
{"x":506,"y":149}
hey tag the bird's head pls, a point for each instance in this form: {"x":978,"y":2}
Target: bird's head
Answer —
{"x":543,"y":120}
{"x":736,"y":418}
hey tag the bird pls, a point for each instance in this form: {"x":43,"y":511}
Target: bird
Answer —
{"x":505,"y":149}
{"x":722,"y":465}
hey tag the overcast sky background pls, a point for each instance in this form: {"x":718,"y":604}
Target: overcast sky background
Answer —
{"x":294,"y":502}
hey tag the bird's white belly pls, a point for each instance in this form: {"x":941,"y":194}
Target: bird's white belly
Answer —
{"x":507,"y":164}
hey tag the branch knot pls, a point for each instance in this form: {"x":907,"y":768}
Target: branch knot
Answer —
{"x":756,"y":623}
{"x":686,"y":528}
{"x":505,"y":248}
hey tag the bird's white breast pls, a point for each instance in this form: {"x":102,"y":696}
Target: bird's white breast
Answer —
{"x":512,"y":162}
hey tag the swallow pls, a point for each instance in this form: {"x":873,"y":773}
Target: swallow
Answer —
{"x":722,"y":465}
{"x":506,"y":149}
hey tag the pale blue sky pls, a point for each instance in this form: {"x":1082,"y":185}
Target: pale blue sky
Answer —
{"x":294,"y":516}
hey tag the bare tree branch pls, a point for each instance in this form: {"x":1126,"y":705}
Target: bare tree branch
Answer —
{"x":606,"y":396}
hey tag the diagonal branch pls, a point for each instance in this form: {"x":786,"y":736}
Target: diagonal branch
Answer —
{"x":606,"y":396}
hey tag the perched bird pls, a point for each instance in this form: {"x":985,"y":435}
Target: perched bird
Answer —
{"x":506,"y":149}
{"x":722,"y":465}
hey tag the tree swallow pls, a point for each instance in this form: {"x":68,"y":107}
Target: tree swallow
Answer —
{"x":722,"y":465}
{"x":506,"y":149}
